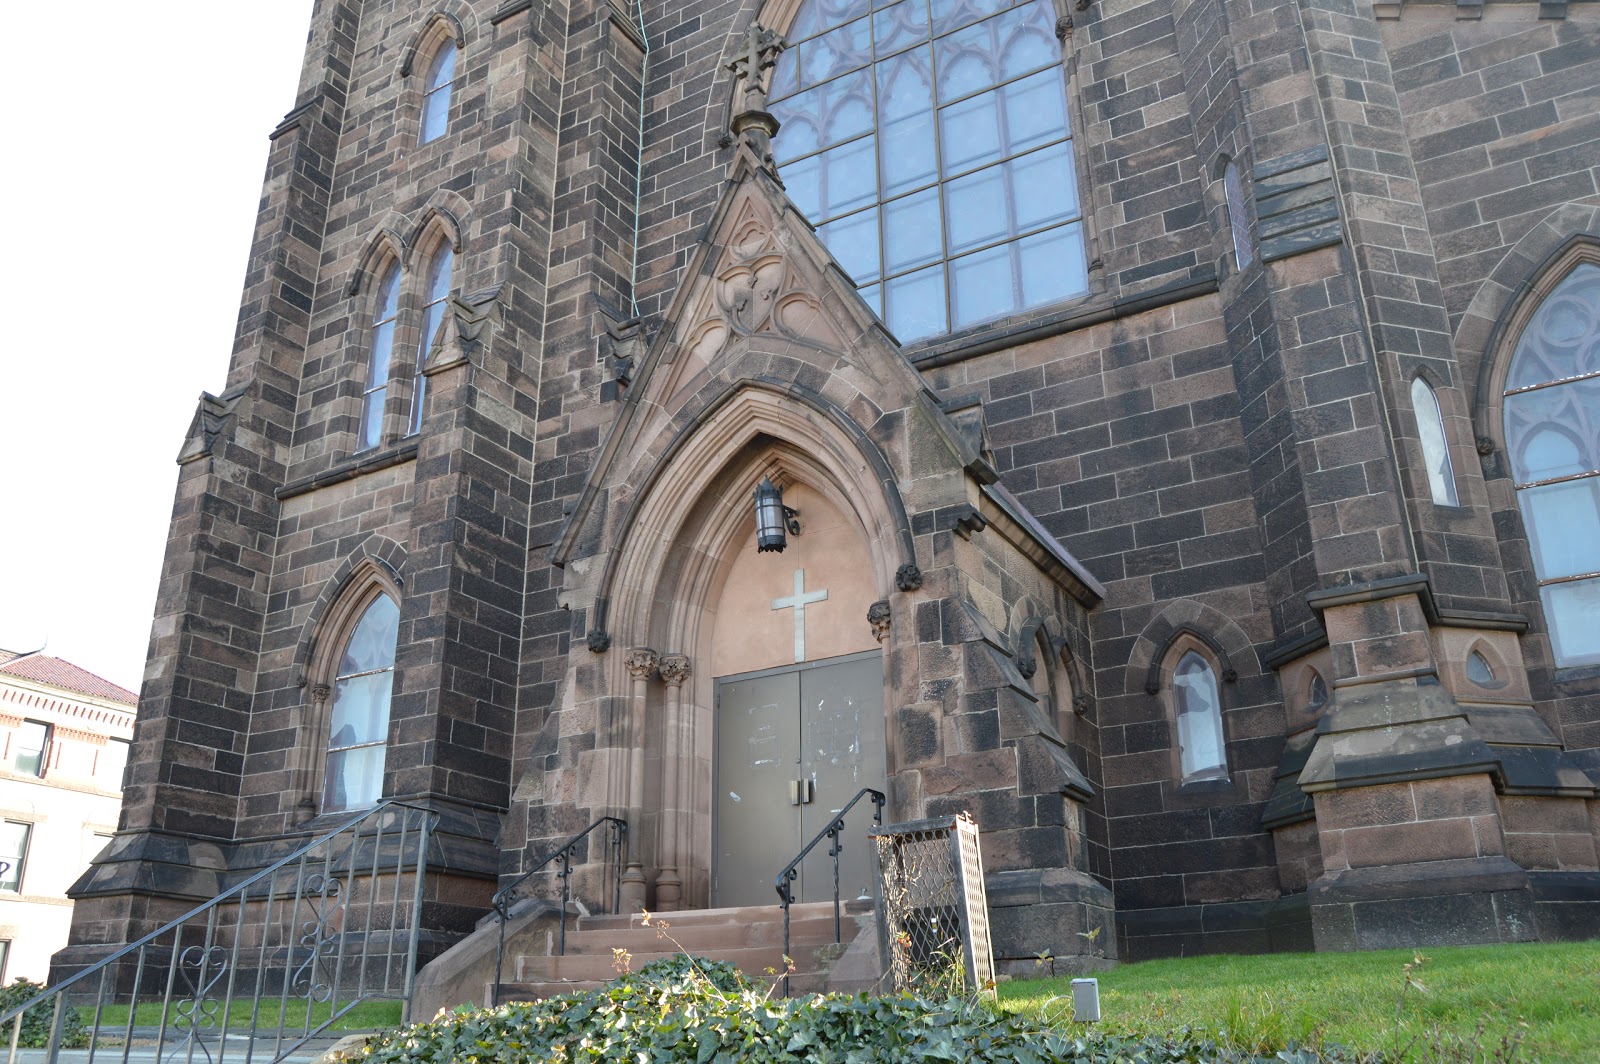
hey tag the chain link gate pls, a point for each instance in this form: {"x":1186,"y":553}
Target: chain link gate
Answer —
{"x":935,"y":911}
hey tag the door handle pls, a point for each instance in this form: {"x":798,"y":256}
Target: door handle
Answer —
{"x":802,"y":792}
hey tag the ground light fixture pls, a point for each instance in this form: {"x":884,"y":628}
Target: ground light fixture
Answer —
{"x":775,"y":522}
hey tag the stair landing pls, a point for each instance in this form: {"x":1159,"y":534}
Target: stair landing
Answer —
{"x":749,"y":937}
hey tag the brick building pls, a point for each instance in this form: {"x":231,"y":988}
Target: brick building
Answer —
{"x":64,"y":736}
{"x":1190,"y":409}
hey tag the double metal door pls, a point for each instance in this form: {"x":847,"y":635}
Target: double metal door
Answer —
{"x":793,"y":746}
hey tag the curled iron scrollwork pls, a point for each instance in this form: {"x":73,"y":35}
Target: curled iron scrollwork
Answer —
{"x":320,"y":937}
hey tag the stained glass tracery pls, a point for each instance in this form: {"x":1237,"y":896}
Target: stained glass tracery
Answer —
{"x":929,"y":141}
{"x":1552,"y":430}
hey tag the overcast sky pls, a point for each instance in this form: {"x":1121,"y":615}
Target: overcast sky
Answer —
{"x":131,"y":182}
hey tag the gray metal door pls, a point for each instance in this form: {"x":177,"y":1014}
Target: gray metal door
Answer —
{"x":792,"y":747}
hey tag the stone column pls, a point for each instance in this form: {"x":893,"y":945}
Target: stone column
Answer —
{"x":669,"y":884}
{"x":641,"y":662}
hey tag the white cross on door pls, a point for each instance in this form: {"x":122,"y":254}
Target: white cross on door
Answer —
{"x":798,"y":603}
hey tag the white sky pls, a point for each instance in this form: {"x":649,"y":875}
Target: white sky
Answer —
{"x":130,"y":182}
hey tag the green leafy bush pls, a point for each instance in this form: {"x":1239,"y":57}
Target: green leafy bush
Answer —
{"x":37,"y":1020}
{"x":702,"y":1012}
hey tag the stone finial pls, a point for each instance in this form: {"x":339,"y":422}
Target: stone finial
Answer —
{"x":878,"y":617}
{"x":752,"y":122}
{"x":674,"y":669}
{"x":641,"y":662}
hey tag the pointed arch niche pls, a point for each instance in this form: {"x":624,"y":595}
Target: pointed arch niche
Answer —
{"x":687,"y":583}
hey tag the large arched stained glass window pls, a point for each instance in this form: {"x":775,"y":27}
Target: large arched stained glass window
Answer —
{"x":929,"y":142}
{"x":358,"y":727}
{"x":1552,"y":425}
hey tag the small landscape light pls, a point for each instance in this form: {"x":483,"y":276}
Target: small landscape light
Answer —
{"x":1086,"y":1000}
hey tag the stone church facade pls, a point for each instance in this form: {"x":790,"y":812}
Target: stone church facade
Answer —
{"x":1188,"y":407}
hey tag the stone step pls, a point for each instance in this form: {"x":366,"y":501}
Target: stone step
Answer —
{"x":529,"y":990}
{"x":752,"y":962}
{"x":735,"y":916}
{"x":698,"y":938}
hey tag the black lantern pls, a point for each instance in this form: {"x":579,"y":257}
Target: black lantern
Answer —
{"x":773,"y":519}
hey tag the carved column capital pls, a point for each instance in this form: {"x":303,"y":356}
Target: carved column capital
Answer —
{"x":641,"y":662}
{"x":674,"y":669}
{"x":320,"y":693}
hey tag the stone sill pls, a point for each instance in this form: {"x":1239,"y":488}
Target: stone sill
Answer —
{"x":350,"y":468}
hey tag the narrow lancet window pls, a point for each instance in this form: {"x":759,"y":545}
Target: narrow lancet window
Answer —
{"x":1552,"y":410}
{"x":380,"y":355}
{"x":1244,"y":244}
{"x":439,"y":275}
{"x":1435,"y":448}
{"x":358,"y":728}
{"x":436,"y":93}
{"x":1199,"y":709}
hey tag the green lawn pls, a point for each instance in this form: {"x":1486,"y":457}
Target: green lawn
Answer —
{"x":369,"y":1014}
{"x":1352,"y":998}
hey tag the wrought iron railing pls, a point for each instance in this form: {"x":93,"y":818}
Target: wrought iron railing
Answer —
{"x":507,"y":895}
{"x":785,"y":879}
{"x":262,"y":968}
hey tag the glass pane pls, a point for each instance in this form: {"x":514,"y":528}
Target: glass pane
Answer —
{"x":1005,"y":121}
{"x":382,"y":349}
{"x":431,"y":316}
{"x":1053,"y":266}
{"x":1026,"y":193}
{"x":1571,"y":610}
{"x":435,"y":115}
{"x":1478,"y":670}
{"x":371,"y":645}
{"x":32,"y":738}
{"x":1244,"y":249}
{"x":1199,"y":706}
{"x":853,"y":240}
{"x":1554,"y":432}
{"x":785,"y":76}
{"x":911,"y":231}
{"x":899,"y":25}
{"x":1435,"y":450}
{"x":361,"y":710}
{"x":997,"y":50}
{"x":846,"y":177}
{"x":983,"y":286}
{"x":444,"y":264}
{"x":952,"y":14}
{"x":818,"y":15}
{"x":1563,"y":338}
{"x":14,"y":852}
{"x":835,"y":52}
{"x":443,"y":69}
{"x":803,"y":182}
{"x":1562,"y":520}
{"x":873,"y":294}
{"x":909,"y":157}
{"x":354,"y":779}
{"x":388,"y":297}
{"x":372,"y":417}
{"x":915,"y":304}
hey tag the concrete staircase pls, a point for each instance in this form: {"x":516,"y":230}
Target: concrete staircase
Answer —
{"x":749,"y":937}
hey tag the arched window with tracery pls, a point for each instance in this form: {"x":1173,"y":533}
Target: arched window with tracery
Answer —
{"x":440,"y":269}
{"x":1197,"y":704}
{"x":930,"y":144}
{"x":358,"y":722}
{"x":380,"y":354}
{"x":1552,"y":431}
{"x":436,"y":91}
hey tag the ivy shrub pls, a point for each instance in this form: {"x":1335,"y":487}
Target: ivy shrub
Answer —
{"x":682,"y":1009}
{"x":36,"y":1021}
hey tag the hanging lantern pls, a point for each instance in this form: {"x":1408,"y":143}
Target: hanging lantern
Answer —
{"x":774,"y":520}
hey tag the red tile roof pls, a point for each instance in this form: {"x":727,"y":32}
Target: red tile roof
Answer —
{"x":42,"y":668}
